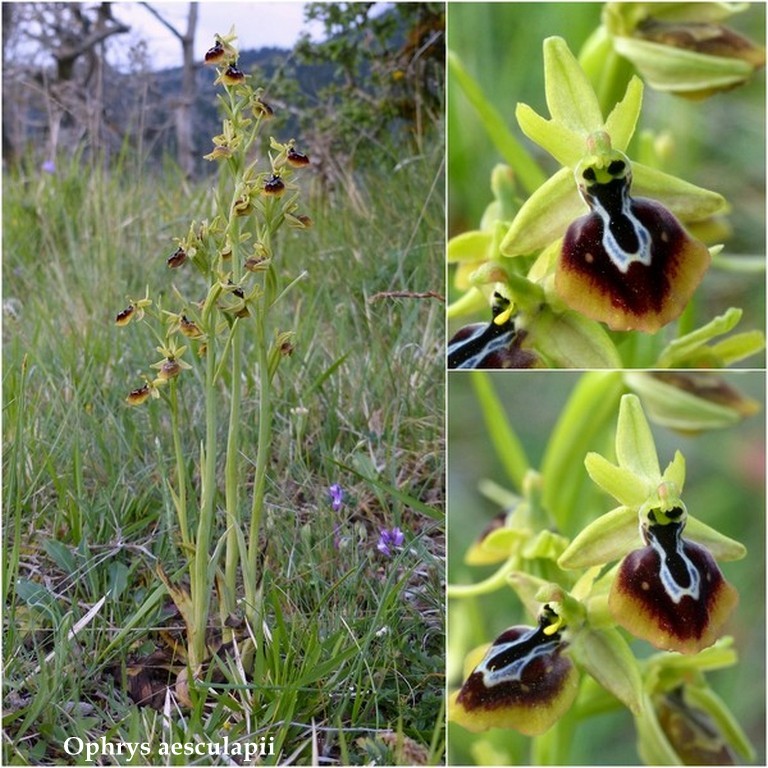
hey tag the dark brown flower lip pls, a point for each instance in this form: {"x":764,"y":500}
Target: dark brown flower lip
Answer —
{"x":215,"y":54}
{"x":296,"y":158}
{"x":523,"y":666}
{"x":124,"y":316}
{"x":671,"y":593}
{"x":178,"y":257}
{"x":274,"y":185}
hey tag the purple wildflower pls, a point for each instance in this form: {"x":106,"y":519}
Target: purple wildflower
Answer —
{"x":336,"y":494}
{"x":389,"y":540}
{"x":48,"y":167}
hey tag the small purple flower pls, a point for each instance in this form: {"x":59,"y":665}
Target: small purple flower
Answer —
{"x":389,"y":540}
{"x":336,"y":494}
{"x":48,"y":167}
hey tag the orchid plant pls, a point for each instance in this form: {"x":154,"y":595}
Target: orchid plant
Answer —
{"x":647,"y":570}
{"x":231,"y":330}
{"x":568,"y":286}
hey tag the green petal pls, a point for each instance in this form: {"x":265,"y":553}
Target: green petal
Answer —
{"x":604,"y":540}
{"x":620,"y":125}
{"x":570,"y":97}
{"x":635,"y":448}
{"x":674,"y":474}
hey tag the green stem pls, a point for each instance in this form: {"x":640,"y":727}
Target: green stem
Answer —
{"x":199,"y":581}
{"x":181,"y":471}
{"x":232,"y":467}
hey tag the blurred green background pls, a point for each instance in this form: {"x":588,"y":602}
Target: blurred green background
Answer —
{"x":724,"y":487}
{"x":719,"y":142}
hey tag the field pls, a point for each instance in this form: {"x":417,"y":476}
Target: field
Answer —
{"x":349,"y":663}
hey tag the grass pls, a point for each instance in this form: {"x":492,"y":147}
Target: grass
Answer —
{"x":349,"y":664}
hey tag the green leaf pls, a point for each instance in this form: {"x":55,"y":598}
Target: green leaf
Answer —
{"x":513,"y":152}
{"x":589,"y":411}
{"x":635,"y":447}
{"x":506,"y":443}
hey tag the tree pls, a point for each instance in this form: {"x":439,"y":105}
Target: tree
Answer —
{"x":183,"y":104}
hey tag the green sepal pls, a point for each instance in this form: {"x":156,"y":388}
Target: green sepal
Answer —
{"x":607,"y":657}
{"x":604,"y":540}
{"x":689,"y":202}
{"x":625,"y":486}
{"x":635,"y":448}
{"x":722,"y":547}
{"x":570,"y":97}
{"x":544,"y":216}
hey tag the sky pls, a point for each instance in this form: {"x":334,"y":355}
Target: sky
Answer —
{"x":257,"y":24}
